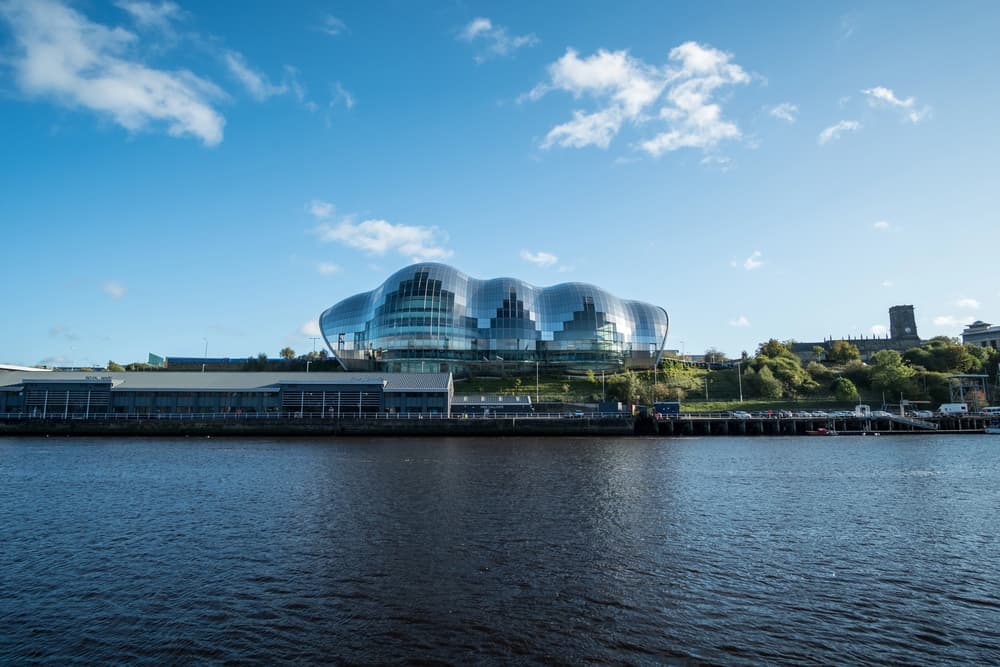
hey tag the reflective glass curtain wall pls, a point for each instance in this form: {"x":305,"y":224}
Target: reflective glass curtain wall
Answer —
{"x":433,"y":317}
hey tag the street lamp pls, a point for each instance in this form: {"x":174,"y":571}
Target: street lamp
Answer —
{"x":739,"y":378}
{"x":307,"y":366}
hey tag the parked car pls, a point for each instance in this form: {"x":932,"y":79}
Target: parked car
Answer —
{"x":740,"y":414}
{"x":922,"y":414}
{"x":880,"y":413}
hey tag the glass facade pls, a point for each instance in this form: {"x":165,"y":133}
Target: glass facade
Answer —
{"x":432,"y":317}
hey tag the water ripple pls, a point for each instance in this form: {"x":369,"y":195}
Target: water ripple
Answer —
{"x":558,"y":551}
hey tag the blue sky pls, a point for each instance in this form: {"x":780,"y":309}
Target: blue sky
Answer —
{"x":178,"y":174}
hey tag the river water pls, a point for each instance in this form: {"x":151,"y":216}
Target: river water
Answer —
{"x":631,"y":550}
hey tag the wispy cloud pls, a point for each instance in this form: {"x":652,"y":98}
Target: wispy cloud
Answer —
{"x":880,"y":96}
{"x":785,"y":111}
{"x":886,"y":283}
{"x":494,"y":39}
{"x":327,"y":268}
{"x":341,"y":96}
{"x":951,"y":321}
{"x":320,"y":209}
{"x":310,"y":329}
{"x":540,"y":258}
{"x":150,"y":14}
{"x":751,"y":263}
{"x":967,"y":303}
{"x":256,"y":83}
{"x":626,"y":90}
{"x":881,"y":226}
{"x":114,"y":289}
{"x":741,"y":321}
{"x":63,"y":56}
{"x":378,"y":237}
{"x":62,"y":331}
{"x":879,"y":330}
{"x":332,"y":26}
{"x":833,"y":132}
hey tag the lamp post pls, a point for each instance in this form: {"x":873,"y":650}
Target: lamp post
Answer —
{"x":307,"y":366}
{"x":536,"y":382}
{"x":739,"y":379}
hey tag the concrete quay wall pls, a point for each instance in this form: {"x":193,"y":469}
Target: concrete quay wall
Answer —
{"x":514,"y":426}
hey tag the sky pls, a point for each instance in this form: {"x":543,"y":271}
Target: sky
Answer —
{"x":190,"y":178}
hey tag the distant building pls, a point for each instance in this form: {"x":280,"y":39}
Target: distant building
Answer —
{"x":982,"y":334}
{"x":332,"y":395}
{"x":902,"y":337}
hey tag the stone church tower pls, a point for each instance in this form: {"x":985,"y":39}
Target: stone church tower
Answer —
{"x":902,"y":323}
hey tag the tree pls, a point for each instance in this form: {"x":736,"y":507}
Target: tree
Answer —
{"x":845,"y":390}
{"x":287,"y":353}
{"x":773,"y":349}
{"x":115,"y":367}
{"x":842,"y":352}
{"x":889,"y":373}
{"x":767,"y":385}
{"x":819,"y":352}
{"x":714,"y":356}
{"x":591,"y":378}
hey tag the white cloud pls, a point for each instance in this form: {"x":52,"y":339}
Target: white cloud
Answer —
{"x":595,"y":129}
{"x":886,"y":283}
{"x":327,"y":268}
{"x":114,"y":289}
{"x":626,"y":88}
{"x":750,"y":263}
{"x":377,"y":237}
{"x":332,"y":26}
{"x":880,"y":96}
{"x":740,"y":321}
{"x":342,"y":96}
{"x":967,"y":303}
{"x":833,"y":132}
{"x":785,"y":111}
{"x":320,"y":209}
{"x":494,"y":39}
{"x":879,"y":330}
{"x":881,"y":225}
{"x":951,"y":321}
{"x":694,"y":121}
{"x":256,"y":83}
{"x":311,"y":329}
{"x":63,"y":56}
{"x":150,"y":15}
{"x":540,"y":258}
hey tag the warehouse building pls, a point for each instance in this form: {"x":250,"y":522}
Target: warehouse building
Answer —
{"x":334,"y":395}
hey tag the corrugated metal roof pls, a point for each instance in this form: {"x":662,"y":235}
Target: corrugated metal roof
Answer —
{"x":232,"y":381}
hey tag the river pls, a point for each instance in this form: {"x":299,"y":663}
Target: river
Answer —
{"x":559,"y":550}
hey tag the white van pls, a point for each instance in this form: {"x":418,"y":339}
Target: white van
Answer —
{"x":992,"y":411}
{"x":954,"y":409}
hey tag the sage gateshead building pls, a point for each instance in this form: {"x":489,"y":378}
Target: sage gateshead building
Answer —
{"x":431,"y":317}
